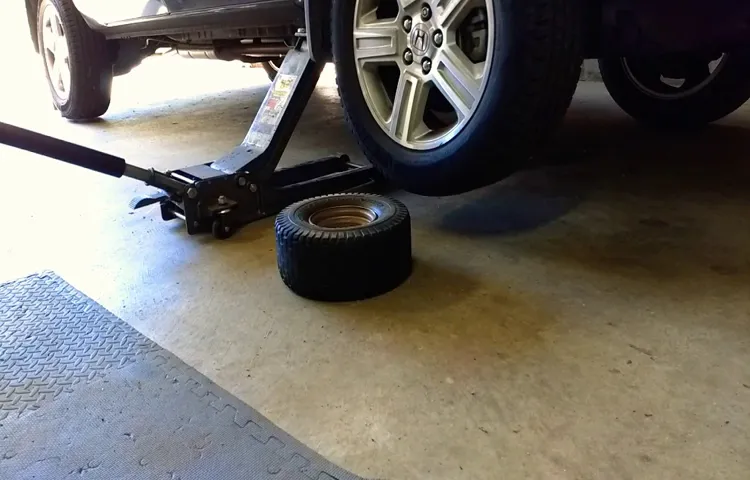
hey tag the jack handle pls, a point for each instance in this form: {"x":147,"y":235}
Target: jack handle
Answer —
{"x":85,"y":157}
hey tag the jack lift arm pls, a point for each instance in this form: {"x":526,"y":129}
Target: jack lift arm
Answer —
{"x":244,"y":185}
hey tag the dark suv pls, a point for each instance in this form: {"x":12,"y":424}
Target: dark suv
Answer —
{"x":443,"y":95}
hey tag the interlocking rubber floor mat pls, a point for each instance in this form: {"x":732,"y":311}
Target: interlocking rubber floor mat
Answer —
{"x":84,"y":395}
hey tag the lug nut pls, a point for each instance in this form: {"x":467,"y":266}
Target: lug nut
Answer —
{"x":438,"y":38}
{"x":407,"y":24}
{"x":408,"y":57}
{"x":426,"y":12}
{"x":426,"y":65}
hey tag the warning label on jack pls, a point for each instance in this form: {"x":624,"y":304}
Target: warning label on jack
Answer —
{"x":272,"y":111}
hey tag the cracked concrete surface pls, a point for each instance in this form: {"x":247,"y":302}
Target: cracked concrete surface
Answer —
{"x":588,"y":318}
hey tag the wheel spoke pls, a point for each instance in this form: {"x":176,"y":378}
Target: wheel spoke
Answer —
{"x":450,"y":12}
{"x":457,"y":79}
{"x":57,"y":25}
{"x":49,"y":39}
{"x":404,"y":4}
{"x":61,"y":49}
{"x":65,"y":76}
{"x":376,"y":42}
{"x":55,"y":74}
{"x":408,"y":106}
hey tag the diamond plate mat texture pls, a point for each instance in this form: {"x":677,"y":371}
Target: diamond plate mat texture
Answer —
{"x":84,"y":395}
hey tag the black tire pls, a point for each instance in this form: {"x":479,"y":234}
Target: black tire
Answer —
{"x":272,"y":68}
{"x":90,"y":65}
{"x":728,"y":91}
{"x":345,"y":262}
{"x":535,"y":69}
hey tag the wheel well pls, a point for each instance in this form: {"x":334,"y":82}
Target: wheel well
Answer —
{"x":32,"y":8}
{"x":639,"y":27}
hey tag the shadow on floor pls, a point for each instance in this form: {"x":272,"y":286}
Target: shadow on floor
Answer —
{"x":622,"y":201}
{"x":444,"y":312}
{"x":524,"y":202}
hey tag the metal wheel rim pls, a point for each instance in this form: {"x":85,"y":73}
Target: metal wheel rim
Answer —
{"x":56,"y":54}
{"x":343,"y":216}
{"x":715,"y":67}
{"x":460,"y":81}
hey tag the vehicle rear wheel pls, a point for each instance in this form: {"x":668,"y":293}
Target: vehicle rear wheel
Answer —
{"x":449,"y":95}
{"x":678,"y":91}
{"x":76,"y":61}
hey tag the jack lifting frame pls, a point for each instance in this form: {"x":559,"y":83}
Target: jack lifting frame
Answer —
{"x":243,"y":185}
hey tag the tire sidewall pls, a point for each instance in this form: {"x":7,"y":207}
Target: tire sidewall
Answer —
{"x":469,"y":145}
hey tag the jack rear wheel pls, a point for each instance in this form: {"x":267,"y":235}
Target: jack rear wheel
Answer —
{"x":221,"y":230}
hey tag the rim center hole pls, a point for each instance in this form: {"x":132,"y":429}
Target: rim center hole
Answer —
{"x":344,"y":216}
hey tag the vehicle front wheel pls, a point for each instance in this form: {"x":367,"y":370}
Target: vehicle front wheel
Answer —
{"x":445,"y":96}
{"x":76,"y":61}
{"x":678,"y":91}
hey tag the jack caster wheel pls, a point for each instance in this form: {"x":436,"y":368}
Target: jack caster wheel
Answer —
{"x":220,"y":229}
{"x":344,"y":247}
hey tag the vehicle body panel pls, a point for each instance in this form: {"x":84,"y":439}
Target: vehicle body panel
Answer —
{"x":215,"y":19}
{"x":612,"y":27}
{"x":647,"y":27}
{"x":106,"y":12}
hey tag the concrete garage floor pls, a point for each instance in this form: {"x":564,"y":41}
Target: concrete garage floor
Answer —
{"x":587,"y":319}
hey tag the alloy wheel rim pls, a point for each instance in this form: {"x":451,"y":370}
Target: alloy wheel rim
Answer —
{"x":56,"y":54}
{"x":664,"y":87}
{"x":423,"y":66}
